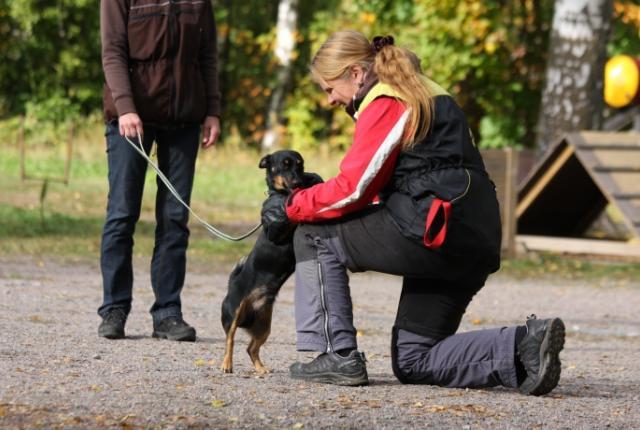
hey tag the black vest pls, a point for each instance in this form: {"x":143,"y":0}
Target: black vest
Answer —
{"x":447,"y":165}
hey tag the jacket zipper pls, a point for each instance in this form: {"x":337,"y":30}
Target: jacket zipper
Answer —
{"x":324,"y":309}
{"x":464,"y":193}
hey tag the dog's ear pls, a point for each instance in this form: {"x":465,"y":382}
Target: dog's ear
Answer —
{"x":265,"y":162}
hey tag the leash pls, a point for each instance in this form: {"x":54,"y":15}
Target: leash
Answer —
{"x":211,"y":229}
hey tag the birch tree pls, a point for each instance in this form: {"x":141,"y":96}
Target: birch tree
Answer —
{"x":572,"y":98}
{"x":285,"y":44}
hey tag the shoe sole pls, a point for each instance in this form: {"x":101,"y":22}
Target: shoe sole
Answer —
{"x":336,"y":379}
{"x":550,"y":366}
{"x":111,"y":335}
{"x":183,"y":337}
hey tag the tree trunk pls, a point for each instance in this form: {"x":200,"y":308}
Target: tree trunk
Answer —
{"x":285,"y":43}
{"x":573,"y":95}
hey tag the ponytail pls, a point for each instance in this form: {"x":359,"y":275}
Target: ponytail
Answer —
{"x":400,"y":69}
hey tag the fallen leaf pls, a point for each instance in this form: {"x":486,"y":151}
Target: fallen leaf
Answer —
{"x":435,"y":408}
{"x":177,"y":418}
{"x":199,"y":362}
{"x":374,"y":404}
{"x":298,"y":426}
{"x":126,"y":417}
{"x":217,"y":403}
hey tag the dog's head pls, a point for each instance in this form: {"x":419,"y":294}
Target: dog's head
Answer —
{"x":285,"y":170}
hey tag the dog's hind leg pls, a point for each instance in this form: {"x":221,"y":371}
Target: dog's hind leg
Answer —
{"x":259,"y":335}
{"x":227,"y":361}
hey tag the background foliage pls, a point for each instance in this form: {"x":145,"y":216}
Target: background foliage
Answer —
{"x":489,"y":54}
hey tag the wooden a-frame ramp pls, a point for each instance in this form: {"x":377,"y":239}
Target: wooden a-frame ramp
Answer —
{"x":570,"y":187}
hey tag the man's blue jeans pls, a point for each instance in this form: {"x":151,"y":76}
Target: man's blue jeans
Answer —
{"x":177,"y":149}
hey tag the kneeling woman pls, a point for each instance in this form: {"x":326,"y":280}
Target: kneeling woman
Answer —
{"x":413,"y":199}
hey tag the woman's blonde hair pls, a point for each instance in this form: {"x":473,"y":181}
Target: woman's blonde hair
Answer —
{"x":395,"y":66}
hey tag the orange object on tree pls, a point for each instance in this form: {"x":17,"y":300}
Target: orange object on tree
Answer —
{"x":621,"y":81}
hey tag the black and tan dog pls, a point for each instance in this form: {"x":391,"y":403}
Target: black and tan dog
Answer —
{"x":255,"y":281}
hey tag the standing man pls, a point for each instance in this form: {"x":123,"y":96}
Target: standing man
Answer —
{"x":160,"y":66}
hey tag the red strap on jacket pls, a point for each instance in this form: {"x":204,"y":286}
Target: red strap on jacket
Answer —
{"x":439,"y":238}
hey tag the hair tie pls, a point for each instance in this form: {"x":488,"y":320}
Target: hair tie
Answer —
{"x":380,"y":42}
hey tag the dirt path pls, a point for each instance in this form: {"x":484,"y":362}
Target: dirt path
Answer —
{"x":55,"y":371}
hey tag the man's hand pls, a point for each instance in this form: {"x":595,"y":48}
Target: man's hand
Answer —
{"x":275,"y":221}
{"x":211,"y":131}
{"x":130,"y":125}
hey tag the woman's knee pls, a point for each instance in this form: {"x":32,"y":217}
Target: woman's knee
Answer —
{"x":409,"y":359}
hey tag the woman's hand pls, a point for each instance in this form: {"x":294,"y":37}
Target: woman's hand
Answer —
{"x":275,"y":221}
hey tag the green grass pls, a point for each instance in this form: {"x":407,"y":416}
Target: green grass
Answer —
{"x":228,"y":191}
{"x":601,"y":272}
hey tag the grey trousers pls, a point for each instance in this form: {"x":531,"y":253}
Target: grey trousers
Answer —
{"x":436,"y":291}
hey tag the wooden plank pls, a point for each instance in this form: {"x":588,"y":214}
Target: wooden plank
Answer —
{"x":598,"y":138}
{"x":627,"y":183}
{"x":608,"y":158}
{"x":501,"y":164}
{"x":616,"y":169}
{"x":542,"y":182}
{"x":579,"y":246}
{"x":509,"y":220}
{"x":608,"y":183}
{"x":631,"y":146}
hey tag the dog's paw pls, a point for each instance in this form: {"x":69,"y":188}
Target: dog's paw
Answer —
{"x":226,"y":367}
{"x":262,"y":370}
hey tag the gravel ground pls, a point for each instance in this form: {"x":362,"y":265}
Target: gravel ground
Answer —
{"x":56,"y":372}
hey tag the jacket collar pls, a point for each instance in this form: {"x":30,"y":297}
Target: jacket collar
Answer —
{"x":370,"y":81}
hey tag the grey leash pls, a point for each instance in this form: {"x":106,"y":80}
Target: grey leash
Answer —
{"x":211,"y":229}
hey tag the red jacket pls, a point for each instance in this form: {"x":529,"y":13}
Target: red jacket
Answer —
{"x":365,"y":169}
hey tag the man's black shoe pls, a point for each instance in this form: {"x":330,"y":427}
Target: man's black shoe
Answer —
{"x":174,"y":328}
{"x":112,"y":325}
{"x":331,"y":368}
{"x":539,"y":352}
